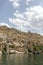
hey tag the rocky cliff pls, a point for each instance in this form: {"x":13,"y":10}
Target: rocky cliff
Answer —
{"x":21,"y":41}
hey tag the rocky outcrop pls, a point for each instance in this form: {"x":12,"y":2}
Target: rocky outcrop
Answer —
{"x":21,"y":42}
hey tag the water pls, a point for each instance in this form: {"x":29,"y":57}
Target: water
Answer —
{"x":21,"y":59}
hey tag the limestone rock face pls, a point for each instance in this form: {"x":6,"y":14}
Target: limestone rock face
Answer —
{"x":21,"y":41}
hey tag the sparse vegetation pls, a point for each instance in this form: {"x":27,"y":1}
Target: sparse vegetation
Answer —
{"x":29,"y":41}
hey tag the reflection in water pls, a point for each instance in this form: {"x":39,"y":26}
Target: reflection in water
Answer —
{"x":21,"y":59}
{"x":18,"y":59}
{"x":5,"y":60}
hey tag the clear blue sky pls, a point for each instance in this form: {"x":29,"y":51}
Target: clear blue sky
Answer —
{"x":24,"y":15}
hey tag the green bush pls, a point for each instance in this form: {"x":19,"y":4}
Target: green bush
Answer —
{"x":11,"y":46}
{"x":1,"y":39}
{"x":41,"y":47}
{"x":37,"y":47}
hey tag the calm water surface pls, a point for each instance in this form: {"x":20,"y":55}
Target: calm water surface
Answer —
{"x":21,"y":59}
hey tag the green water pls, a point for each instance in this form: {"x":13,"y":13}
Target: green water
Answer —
{"x":21,"y":59}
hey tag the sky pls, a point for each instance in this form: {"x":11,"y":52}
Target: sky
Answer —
{"x":24,"y":15}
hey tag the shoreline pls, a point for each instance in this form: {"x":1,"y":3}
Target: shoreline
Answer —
{"x":17,"y":52}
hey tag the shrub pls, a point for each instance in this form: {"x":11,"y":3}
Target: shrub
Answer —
{"x":11,"y":46}
{"x":36,"y":47}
